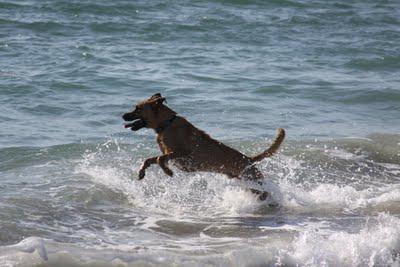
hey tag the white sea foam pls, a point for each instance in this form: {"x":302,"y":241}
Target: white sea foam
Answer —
{"x":25,"y":253}
{"x":202,"y":192}
{"x":329,"y":197}
{"x":377,"y":243}
{"x":191,"y":197}
{"x":182,"y":193}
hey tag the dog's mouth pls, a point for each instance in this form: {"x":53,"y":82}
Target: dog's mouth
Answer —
{"x":136,"y":125}
{"x":136,"y":122}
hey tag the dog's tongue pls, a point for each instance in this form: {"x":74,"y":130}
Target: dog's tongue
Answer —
{"x":132,"y":124}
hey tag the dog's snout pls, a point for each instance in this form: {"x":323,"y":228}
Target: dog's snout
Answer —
{"x":129,"y":116}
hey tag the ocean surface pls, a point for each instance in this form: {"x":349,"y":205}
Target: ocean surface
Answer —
{"x":326,"y":71}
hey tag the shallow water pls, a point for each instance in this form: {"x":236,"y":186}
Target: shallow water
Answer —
{"x":326,"y":72}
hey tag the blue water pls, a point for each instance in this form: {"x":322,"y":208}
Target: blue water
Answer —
{"x":237,"y":69}
{"x":326,"y":71}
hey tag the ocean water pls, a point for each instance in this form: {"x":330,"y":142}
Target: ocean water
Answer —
{"x":326,"y":71}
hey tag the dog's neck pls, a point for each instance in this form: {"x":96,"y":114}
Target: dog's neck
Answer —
{"x":165,"y":124}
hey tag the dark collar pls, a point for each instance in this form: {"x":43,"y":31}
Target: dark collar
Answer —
{"x":165,"y":124}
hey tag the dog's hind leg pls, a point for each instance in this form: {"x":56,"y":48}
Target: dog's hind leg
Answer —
{"x":262,"y":195}
{"x":253,"y":174}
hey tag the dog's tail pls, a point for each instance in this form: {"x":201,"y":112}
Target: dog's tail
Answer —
{"x":273,"y":148}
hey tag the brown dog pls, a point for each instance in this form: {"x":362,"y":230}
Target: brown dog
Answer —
{"x":190,"y":148}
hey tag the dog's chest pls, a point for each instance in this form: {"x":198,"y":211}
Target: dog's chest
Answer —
{"x":166,"y":144}
{"x":173,"y":139}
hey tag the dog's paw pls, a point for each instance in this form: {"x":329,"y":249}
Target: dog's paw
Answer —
{"x":263,"y":196}
{"x":168,"y":172}
{"x":142,"y":173}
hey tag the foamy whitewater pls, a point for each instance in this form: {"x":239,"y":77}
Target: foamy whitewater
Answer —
{"x":333,"y":207}
{"x":325,"y":71}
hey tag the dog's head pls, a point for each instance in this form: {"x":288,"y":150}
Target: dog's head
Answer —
{"x":148,"y":113}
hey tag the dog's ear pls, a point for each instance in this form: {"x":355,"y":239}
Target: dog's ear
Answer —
{"x":156,"y":103}
{"x":159,"y":100}
{"x":158,"y":95}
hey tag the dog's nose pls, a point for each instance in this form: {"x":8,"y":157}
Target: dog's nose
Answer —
{"x":130,"y":116}
{"x":125,"y":116}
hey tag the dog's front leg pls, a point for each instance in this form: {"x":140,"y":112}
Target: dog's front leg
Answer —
{"x":162,"y":160}
{"x":145,"y":165}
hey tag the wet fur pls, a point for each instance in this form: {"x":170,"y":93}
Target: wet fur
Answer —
{"x":192,"y":149}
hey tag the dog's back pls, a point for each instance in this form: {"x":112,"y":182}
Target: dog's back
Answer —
{"x":205,"y":153}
